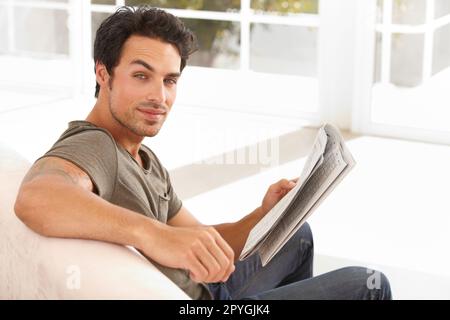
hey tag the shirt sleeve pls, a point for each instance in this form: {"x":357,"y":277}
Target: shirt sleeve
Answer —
{"x":95,"y":153}
{"x":174,"y":203}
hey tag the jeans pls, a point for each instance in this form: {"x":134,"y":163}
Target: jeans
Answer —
{"x":289,"y":276}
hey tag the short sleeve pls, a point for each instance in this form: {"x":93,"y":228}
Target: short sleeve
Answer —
{"x":94,"y":152}
{"x":174,"y":202}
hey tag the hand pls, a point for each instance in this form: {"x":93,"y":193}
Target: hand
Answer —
{"x":276,"y":192}
{"x":200,"y":250}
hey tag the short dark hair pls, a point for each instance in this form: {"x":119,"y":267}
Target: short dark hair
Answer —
{"x":143,"y":21}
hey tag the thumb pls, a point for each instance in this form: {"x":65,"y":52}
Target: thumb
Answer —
{"x":288,"y":184}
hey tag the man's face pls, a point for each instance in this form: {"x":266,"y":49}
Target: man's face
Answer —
{"x":143,"y":87}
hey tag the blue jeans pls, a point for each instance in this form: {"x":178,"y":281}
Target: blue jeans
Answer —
{"x":289,"y":276}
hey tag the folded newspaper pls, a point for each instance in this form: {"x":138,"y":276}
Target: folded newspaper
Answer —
{"x":327,"y":164}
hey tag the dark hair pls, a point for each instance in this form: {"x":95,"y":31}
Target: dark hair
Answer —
{"x":144,"y":21}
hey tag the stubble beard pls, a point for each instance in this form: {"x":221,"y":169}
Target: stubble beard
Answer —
{"x":138,"y":126}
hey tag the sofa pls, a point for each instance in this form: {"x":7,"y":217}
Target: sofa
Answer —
{"x":37,"y":267}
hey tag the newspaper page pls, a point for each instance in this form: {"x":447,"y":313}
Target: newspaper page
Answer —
{"x":260,"y":231}
{"x":327,"y":164}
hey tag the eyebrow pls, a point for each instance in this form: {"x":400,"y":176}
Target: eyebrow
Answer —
{"x":150,"y":68}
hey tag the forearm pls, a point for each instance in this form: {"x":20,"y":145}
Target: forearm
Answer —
{"x":62,"y":210}
{"x":235,"y":234}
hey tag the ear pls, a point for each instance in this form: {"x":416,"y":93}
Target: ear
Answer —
{"x":101,"y":74}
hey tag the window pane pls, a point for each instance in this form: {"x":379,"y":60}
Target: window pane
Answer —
{"x":97,"y":19}
{"x":3,"y":30}
{"x":283,"y":49}
{"x":441,"y":8}
{"x":210,"y":5}
{"x":408,"y":11}
{"x":412,"y":102}
{"x":379,"y":11}
{"x":286,"y":6}
{"x":52,"y":36}
{"x":406,"y":59}
{"x":441,"y":49}
{"x":218,"y":43}
{"x":377,"y":62}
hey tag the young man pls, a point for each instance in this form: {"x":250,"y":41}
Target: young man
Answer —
{"x":99,"y":182}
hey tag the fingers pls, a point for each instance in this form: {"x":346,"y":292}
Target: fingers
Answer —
{"x":230,"y":257}
{"x":212,"y":259}
{"x":285,"y":185}
{"x":197,"y":271}
{"x":229,"y":271}
{"x":207,"y":257}
{"x":220,"y":251}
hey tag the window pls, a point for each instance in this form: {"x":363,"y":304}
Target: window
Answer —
{"x":35,"y":58}
{"x":379,"y":66}
{"x":410,"y":95}
{"x":263,"y":52}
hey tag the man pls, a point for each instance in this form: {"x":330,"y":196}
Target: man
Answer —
{"x":99,"y":182}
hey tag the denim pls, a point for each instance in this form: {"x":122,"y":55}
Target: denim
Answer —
{"x":289,"y":276}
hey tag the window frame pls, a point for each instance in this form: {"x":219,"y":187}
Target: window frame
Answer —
{"x":361,"y":119}
{"x":76,"y":11}
{"x":345,"y":68}
{"x":288,"y":109}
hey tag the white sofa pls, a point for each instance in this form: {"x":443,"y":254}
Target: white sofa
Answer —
{"x":37,"y":267}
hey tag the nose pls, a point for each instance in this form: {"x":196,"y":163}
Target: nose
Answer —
{"x":157,"y":93}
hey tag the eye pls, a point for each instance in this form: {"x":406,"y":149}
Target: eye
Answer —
{"x":140,"y":76}
{"x":171,"y":81}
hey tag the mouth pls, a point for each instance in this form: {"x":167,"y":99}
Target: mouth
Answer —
{"x":152,"y":114}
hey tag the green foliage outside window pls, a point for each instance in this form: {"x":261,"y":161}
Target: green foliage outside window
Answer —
{"x":286,"y":6}
{"x":222,"y":37}
{"x":211,"y":5}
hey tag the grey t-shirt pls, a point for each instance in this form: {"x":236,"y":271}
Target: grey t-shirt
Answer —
{"x":119,"y":179}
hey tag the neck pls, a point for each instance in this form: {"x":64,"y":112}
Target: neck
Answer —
{"x":101,"y":116}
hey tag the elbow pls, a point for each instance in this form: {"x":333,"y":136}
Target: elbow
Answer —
{"x":25,"y":209}
{"x":20,"y":206}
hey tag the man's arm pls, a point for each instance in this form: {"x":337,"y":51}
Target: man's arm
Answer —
{"x":236,"y":233}
{"x":56,"y":199}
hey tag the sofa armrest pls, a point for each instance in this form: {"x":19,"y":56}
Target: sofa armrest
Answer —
{"x":37,"y":267}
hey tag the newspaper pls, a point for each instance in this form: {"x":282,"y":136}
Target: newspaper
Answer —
{"x":327,"y":164}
